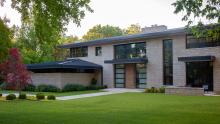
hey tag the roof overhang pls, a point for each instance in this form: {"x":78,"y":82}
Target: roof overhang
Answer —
{"x":126,"y":61}
{"x":196,"y":58}
{"x":67,"y":64}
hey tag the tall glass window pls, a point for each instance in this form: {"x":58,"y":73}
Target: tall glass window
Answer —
{"x":98,"y":51}
{"x":168,"y":62}
{"x":119,"y":76}
{"x":141,"y":75}
{"x":132,"y":50}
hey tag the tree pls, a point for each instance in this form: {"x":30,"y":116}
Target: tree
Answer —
{"x":133,"y":29}
{"x":14,"y":72}
{"x":100,"y":31}
{"x":5,"y":40}
{"x":197,"y":9}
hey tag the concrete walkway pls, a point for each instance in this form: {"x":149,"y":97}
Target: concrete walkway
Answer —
{"x":107,"y":92}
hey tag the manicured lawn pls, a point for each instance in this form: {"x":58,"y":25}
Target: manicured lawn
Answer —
{"x":127,"y":108}
{"x":57,"y":94}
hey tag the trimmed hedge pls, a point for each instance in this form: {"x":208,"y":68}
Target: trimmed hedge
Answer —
{"x":73,"y":87}
{"x":40,"y":96}
{"x":22,"y":96}
{"x":155,"y":90}
{"x":11,"y":97}
{"x":51,"y":97}
{"x":47,"y":88}
{"x":30,"y":87}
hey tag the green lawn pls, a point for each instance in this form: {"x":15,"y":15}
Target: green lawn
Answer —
{"x":126,"y":108}
{"x":56,"y":93}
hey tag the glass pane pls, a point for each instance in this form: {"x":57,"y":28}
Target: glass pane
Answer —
{"x":119,"y":66}
{"x":119,"y":75}
{"x":141,"y":75}
{"x":120,"y":71}
{"x":142,"y":86}
{"x":142,"y":80}
{"x":119,"y":81}
{"x":119,"y":85}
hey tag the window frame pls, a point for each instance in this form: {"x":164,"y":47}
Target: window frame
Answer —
{"x":79,"y":52}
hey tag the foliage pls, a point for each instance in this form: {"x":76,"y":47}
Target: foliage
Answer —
{"x":10,"y":97}
{"x":99,"y":31}
{"x":47,"y":88}
{"x":51,"y":97}
{"x":133,"y":29}
{"x":5,"y":40}
{"x":73,"y":87}
{"x":30,"y":87}
{"x":40,"y":96}
{"x":0,"y":94}
{"x":197,"y":9}
{"x":93,"y":81}
{"x":14,"y":72}
{"x":22,"y":96}
{"x":155,"y":90}
{"x":94,"y":87}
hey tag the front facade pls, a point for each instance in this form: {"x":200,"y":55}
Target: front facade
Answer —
{"x":166,"y":58}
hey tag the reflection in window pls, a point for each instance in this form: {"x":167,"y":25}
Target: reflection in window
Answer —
{"x":193,"y":42}
{"x":141,"y":75}
{"x":132,"y":50}
{"x":120,"y":76}
{"x":98,"y":51}
{"x":168,"y":62}
{"x":79,"y":52}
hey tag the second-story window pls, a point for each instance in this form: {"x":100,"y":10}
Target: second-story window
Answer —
{"x":192,"y":42}
{"x":131,"y":50}
{"x":98,"y":51}
{"x":79,"y":52}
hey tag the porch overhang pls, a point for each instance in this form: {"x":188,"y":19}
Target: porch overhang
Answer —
{"x":126,"y":61}
{"x":196,"y":58}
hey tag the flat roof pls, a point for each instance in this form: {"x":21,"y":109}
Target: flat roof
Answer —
{"x":67,"y":64}
{"x":121,"y":39}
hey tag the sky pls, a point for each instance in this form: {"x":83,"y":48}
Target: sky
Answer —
{"x":120,"y":13}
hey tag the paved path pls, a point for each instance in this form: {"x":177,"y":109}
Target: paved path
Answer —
{"x":107,"y":92}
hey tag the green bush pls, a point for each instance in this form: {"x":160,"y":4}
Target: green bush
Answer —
{"x":93,"y":81}
{"x":47,"y":88}
{"x":155,"y":90}
{"x":0,"y":94}
{"x":11,"y":97}
{"x":40,"y":96}
{"x":51,"y":97}
{"x":93,"y":87}
{"x":73,"y":87}
{"x":22,"y":96}
{"x":30,"y":87}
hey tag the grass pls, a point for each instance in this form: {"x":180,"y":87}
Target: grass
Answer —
{"x":56,"y":93}
{"x":128,"y":108}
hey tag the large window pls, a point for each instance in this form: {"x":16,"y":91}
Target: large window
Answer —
{"x":141,"y":75}
{"x":98,"y":51}
{"x":168,"y":62}
{"x":120,"y":76}
{"x":193,"y":42}
{"x":79,"y":52}
{"x":132,"y":50}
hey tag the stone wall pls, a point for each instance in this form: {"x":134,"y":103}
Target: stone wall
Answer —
{"x":184,"y":91}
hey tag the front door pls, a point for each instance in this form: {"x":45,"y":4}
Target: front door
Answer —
{"x":200,"y":74}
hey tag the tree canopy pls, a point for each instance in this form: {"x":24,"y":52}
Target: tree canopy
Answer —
{"x":198,"y":9}
{"x":99,"y":31}
{"x":5,"y":39}
{"x":133,"y":29}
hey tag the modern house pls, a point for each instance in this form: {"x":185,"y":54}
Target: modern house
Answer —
{"x":164,"y":57}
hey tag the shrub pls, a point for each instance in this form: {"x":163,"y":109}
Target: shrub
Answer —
{"x":93,"y":87}
{"x":155,"y":90}
{"x":51,"y":97}
{"x":11,"y":97}
{"x":93,"y":81}
{"x":22,"y":96}
{"x":40,"y":96}
{"x":47,"y":88}
{"x":73,"y":87}
{"x":0,"y":94}
{"x":30,"y":87}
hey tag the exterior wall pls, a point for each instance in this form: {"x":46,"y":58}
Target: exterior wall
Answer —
{"x":61,"y":79}
{"x":108,"y":69}
{"x":179,"y":68}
